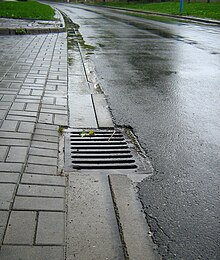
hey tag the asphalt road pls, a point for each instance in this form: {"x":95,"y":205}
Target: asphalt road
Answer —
{"x":162,"y":79}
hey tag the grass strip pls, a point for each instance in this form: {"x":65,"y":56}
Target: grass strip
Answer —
{"x":27,"y":10}
{"x":202,"y":10}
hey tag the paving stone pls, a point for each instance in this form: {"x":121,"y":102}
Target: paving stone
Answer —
{"x":45,"y":118}
{"x":32,"y":107}
{"x":3,"y":113}
{"x":47,"y":127}
{"x":43,"y":180}
{"x":54,"y":111}
{"x":9,"y":125}
{"x":18,"y":106}
{"x":46,"y":132}
{"x":22,"y":113}
{"x":11,"y":167}
{"x":14,"y":142}
{"x":9,"y":177}
{"x":41,"y":191}
{"x":48,"y":100}
{"x":51,"y":88}
{"x":61,"y":101}
{"x":38,"y":203}
{"x":41,"y":160}
{"x":5,"y":105}
{"x":21,"y":118}
{"x":51,"y":227}
{"x":8,"y":98}
{"x":24,"y":92}
{"x":9,"y":91}
{"x":26,"y":127}
{"x":41,"y":169}
{"x":61,"y":120}
{"x":45,"y":138}
{"x":54,"y":107}
{"x":4,"y":134}
{"x":30,"y":80}
{"x":4,"y":84}
{"x":21,"y":228}
{"x":6,"y":195}
{"x":17,"y":154}
{"x":37,"y":93}
{"x":22,"y":100}
{"x":3,"y":152}
{"x":43,"y":152}
{"x":27,"y":98}
{"x":3,"y":222}
{"x":44,"y":145}
{"x":15,"y":85}
{"x":32,"y":253}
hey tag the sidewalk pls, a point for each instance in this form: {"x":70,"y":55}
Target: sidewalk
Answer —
{"x":48,"y":211}
{"x":33,"y":103}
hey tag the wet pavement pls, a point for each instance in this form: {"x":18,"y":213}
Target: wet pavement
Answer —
{"x":164,"y":82}
{"x":33,"y":104}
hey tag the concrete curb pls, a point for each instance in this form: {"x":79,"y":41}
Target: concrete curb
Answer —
{"x":131,"y":220}
{"x":19,"y":29}
{"x":16,"y":31}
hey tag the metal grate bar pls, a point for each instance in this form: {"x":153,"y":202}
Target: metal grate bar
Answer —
{"x":105,"y":149}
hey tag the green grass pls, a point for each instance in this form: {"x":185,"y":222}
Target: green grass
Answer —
{"x":203,"y":10}
{"x":26,"y":9}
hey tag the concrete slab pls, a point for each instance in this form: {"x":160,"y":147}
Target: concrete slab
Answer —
{"x":102,"y":111}
{"x":41,"y":191}
{"x":81,"y":111}
{"x":43,"y":179}
{"x":9,"y":177}
{"x":21,"y":228}
{"x":6,"y":195}
{"x":131,"y":220}
{"x":91,"y":225}
{"x":37,"y":203}
{"x":32,"y":252}
{"x":3,"y":222}
{"x":50,"y":230}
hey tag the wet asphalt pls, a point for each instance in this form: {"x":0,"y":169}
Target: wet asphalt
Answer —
{"x":163,"y":81}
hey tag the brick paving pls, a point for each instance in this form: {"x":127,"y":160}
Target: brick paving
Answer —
{"x":33,"y":104}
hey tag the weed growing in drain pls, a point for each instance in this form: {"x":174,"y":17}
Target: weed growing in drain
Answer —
{"x":84,"y":133}
{"x":61,"y":129}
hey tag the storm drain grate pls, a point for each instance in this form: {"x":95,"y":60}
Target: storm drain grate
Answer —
{"x":102,"y":150}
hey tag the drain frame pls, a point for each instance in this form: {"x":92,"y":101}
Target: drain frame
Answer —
{"x":106,"y":150}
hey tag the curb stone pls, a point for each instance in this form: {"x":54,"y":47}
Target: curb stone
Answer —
{"x":131,"y":220}
{"x":38,"y":27}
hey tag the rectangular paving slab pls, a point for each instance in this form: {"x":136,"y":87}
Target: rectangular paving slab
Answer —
{"x":21,"y":228}
{"x":91,"y":225}
{"x":50,"y":230}
{"x":81,"y":111}
{"x":32,"y":252}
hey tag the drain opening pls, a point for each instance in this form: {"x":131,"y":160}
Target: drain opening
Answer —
{"x":103,"y":150}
